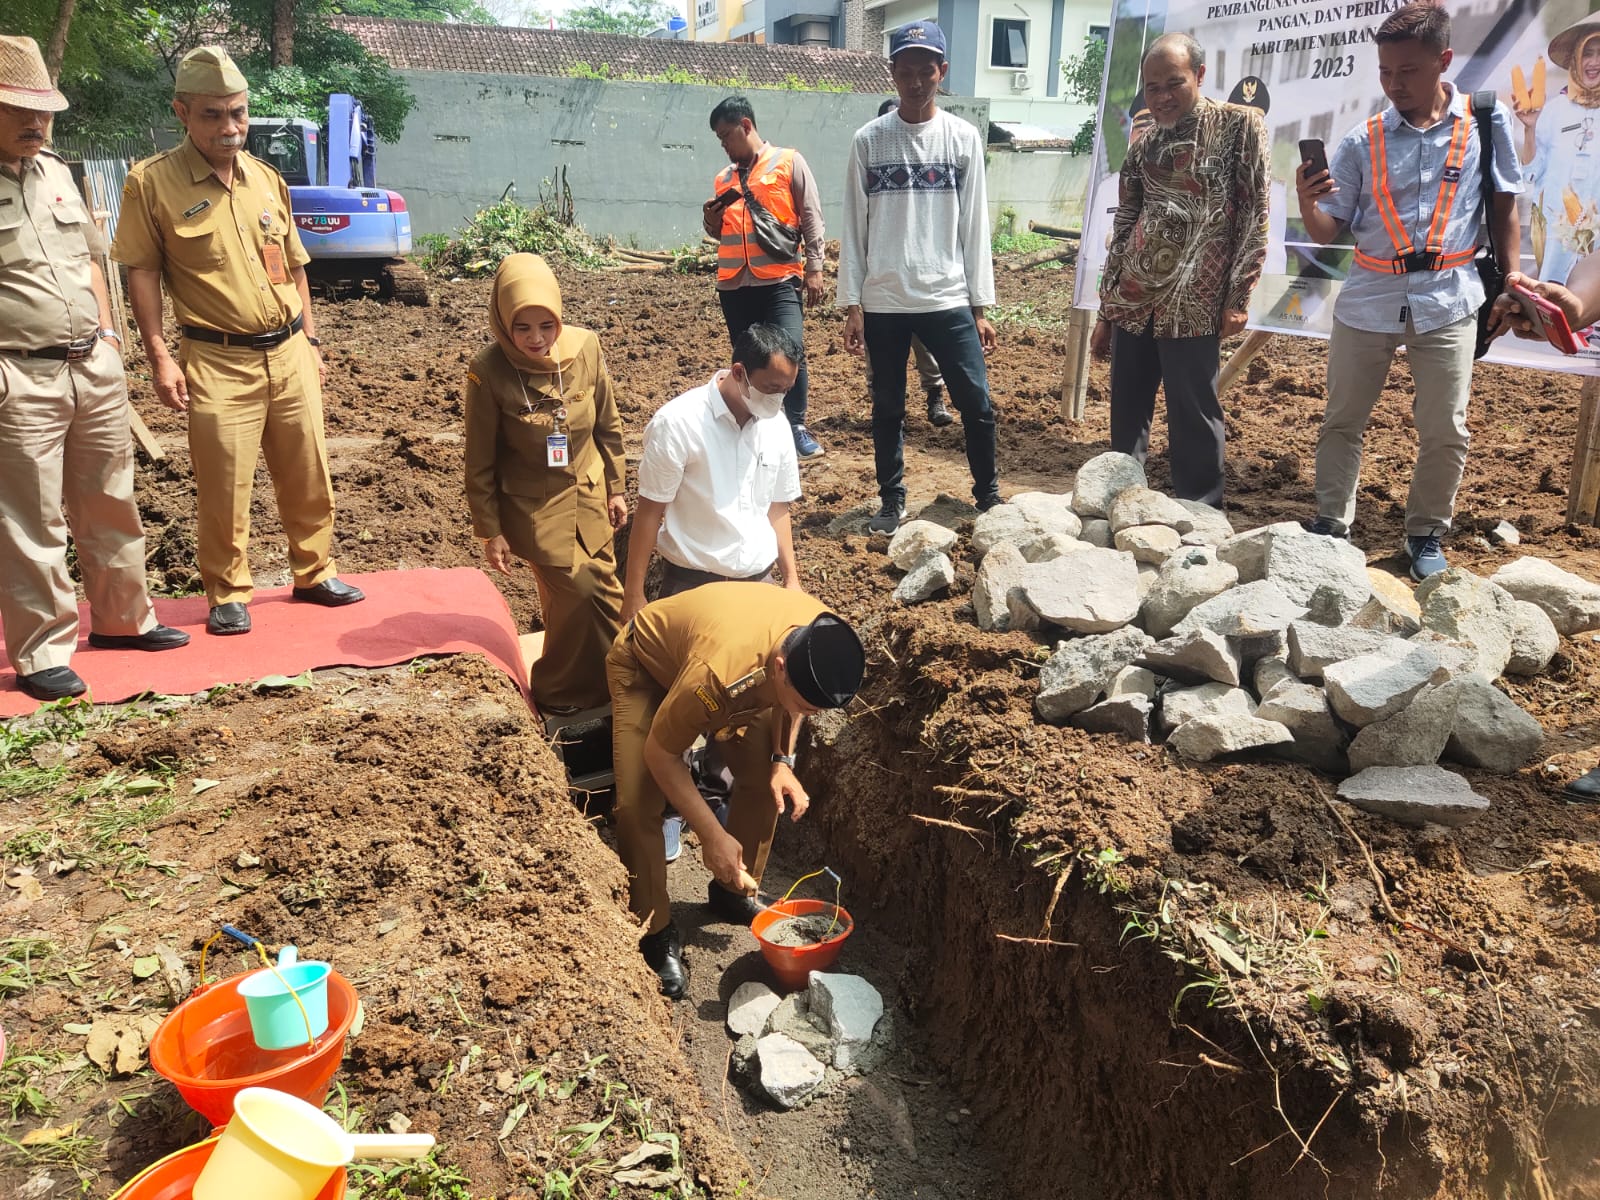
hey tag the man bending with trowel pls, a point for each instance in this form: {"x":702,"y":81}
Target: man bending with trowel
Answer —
{"x":744,"y":657}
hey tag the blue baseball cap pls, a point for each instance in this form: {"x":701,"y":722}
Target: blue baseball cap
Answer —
{"x":918,"y":35}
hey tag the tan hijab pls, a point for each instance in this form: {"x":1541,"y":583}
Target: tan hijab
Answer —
{"x":1583,"y":97}
{"x":526,"y":281}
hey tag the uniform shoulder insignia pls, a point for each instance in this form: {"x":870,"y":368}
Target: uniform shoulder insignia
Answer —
{"x":745,"y":682}
{"x":48,"y":153}
{"x":473,"y":376}
{"x":703,"y":694}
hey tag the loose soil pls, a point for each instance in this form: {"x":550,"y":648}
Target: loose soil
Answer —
{"x":1110,"y":973}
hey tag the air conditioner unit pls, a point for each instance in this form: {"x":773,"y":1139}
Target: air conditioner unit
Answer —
{"x":1019,"y":81}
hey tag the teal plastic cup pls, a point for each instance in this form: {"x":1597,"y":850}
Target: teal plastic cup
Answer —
{"x":276,"y":1020}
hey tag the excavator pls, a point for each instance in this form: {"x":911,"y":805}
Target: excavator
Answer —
{"x":355,"y":231}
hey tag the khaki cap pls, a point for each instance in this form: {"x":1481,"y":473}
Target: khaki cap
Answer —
{"x":24,"y":81}
{"x":208,"y":71}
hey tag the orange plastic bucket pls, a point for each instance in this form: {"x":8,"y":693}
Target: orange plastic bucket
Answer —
{"x":793,"y":964}
{"x":206,"y":1048}
{"x":172,"y":1178}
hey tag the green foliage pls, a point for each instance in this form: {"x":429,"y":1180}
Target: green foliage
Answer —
{"x":469,"y":12}
{"x":509,"y":228}
{"x":634,"y":18}
{"x":1082,"y":75}
{"x":1020,"y":243}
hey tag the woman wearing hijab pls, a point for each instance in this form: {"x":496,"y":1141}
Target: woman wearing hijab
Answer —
{"x":1561,"y":153}
{"x":546,"y":475}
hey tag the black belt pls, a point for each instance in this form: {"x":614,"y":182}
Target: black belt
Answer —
{"x":71,"y":352}
{"x":247,"y":341}
{"x":694,"y":578}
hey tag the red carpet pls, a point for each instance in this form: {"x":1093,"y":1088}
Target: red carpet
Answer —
{"x":406,"y":614}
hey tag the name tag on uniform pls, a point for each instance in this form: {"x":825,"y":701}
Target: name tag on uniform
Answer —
{"x":272,"y":260}
{"x":555,"y":450}
{"x":1452,"y":174}
{"x":197,"y":209}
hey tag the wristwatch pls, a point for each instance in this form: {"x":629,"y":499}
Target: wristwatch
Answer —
{"x":786,"y":759}
{"x":317,"y":342}
{"x":109,"y":334}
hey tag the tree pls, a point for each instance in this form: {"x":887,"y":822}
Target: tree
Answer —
{"x":1083,"y":75}
{"x":468,"y":12}
{"x":56,"y":49}
{"x":282,"y":32}
{"x":635,"y":18}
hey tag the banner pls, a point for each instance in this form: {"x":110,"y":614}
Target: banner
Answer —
{"x":1312,"y":68}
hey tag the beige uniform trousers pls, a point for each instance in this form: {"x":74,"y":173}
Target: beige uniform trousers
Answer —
{"x":580,"y":609}
{"x":248,"y":402}
{"x":65,"y":438}
{"x":1441,"y":373}
{"x":641,"y":805}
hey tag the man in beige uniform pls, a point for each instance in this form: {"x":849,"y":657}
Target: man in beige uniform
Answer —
{"x":64,"y":433}
{"x":215,"y":223}
{"x":742,"y":662}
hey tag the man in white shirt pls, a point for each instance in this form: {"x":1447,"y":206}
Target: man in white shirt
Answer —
{"x":914,"y":262}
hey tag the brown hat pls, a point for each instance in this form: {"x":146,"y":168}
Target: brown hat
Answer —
{"x":1565,"y":44}
{"x":208,"y":71}
{"x":24,"y":82}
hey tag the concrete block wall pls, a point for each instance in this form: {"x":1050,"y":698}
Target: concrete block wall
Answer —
{"x":1041,"y":186}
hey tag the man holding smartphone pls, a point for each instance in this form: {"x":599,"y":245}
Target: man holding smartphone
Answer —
{"x":1407,"y":183}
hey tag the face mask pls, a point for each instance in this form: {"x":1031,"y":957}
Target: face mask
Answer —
{"x":762,"y":404}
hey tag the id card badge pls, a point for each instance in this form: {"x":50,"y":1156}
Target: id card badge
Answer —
{"x":555,"y":450}
{"x":272,"y":260}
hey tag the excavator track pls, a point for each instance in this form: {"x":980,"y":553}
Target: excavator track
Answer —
{"x":405,"y":282}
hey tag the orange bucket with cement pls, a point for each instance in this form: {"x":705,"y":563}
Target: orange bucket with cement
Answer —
{"x":793,"y":964}
{"x":172,"y":1178}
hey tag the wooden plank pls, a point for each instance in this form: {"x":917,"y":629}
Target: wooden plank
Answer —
{"x":1583,"y":492}
{"x":1054,"y":231}
{"x":1254,"y":343}
{"x":1039,"y":257}
{"x":1075,"y":364}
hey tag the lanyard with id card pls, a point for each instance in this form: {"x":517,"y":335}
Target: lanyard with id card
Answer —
{"x":272,"y":260}
{"x":555,"y":450}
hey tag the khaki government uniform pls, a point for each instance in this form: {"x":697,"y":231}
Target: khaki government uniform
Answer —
{"x":208,"y":243}
{"x":64,"y":431}
{"x":554,"y":517}
{"x":689,"y":665}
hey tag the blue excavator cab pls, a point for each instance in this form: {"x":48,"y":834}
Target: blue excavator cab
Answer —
{"x":354,"y":230}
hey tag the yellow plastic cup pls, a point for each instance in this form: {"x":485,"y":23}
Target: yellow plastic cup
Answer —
{"x":277,"y":1147}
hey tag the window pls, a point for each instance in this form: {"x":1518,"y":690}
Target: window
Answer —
{"x":1103,"y":32}
{"x":1009,"y":45}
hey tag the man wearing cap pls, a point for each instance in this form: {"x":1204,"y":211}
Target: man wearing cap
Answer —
{"x":742,"y":657}
{"x":64,"y":431}
{"x":914,"y":262}
{"x":215,"y":224}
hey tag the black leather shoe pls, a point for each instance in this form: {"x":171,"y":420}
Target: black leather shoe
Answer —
{"x":1584,"y":787}
{"x":161,"y":637}
{"x":985,"y":503}
{"x":664,"y":952}
{"x":228,"y":619}
{"x":731,"y":906}
{"x":52,"y":683}
{"x":938,"y":415}
{"x":330,"y":593}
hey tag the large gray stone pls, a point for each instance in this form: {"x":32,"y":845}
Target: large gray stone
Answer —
{"x":1002,"y":523}
{"x":851,"y":1008}
{"x":1205,"y":738}
{"x":1097,"y":532}
{"x":1179,"y":706}
{"x":1414,"y":795}
{"x":932,"y":575}
{"x":1461,"y":606}
{"x":1313,"y":647}
{"x":1319,"y":739}
{"x":1413,"y":737}
{"x":1091,"y":591}
{"x":1257,"y":614}
{"x":1193,"y":657}
{"x":1079,"y":672}
{"x":1455,"y":656}
{"x":1147,"y":579}
{"x":1371,"y":687}
{"x":1247,"y":552}
{"x":786,"y":1070}
{"x":1207,"y":524}
{"x":749,"y":1007}
{"x":1145,"y":506}
{"x":1323,"y":574}
{"x":1491,"y":731}
{"x":1152,"y":544}
{"x":1101,"y":480}
{"x":916,"y":540}
{"x":1189,"y":578}
{"x":1042,"y":547}
{"x":1133,"y":681}
{"x":1535,"y":641}
{"x":1000,"y":574}
{"x":1048,"y":512}
{"x":1570,"y":601}
{"x":792,"y":1018}
{"x":1128,"y":715}
{"x":1269,"y":673}
{"x":1505,"y":534}
{"x":1392,"y":608}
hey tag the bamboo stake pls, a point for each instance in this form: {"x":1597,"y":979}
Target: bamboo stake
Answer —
{"x":1254,"y":343}
{"x":1583,"y":492}
{"x":1075,"y":364}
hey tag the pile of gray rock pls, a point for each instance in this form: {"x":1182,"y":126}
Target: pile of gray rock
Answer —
{"x":1273,"y":640}
{"x":794,"y":1048}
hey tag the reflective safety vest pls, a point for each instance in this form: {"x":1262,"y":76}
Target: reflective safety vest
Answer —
{"x":769,"y":182}
{"x":1432,"y":257}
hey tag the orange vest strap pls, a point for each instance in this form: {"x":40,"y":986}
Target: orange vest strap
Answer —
{"x":1406,"y":257}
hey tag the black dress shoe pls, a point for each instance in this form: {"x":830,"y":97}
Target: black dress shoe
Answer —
{"x":1584,"y":787}
{"x":161,"y":637}
{"x":731,"y":906}
{"x":228,"y":619}
{"x":52,"y":683}
{"x":664,"y":952}
{"x":330,"y":593}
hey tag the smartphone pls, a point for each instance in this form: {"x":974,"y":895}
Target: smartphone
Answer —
{"x":1314,"y":155}
{"x":1549,"y":320}
{"x":723,"y":199}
